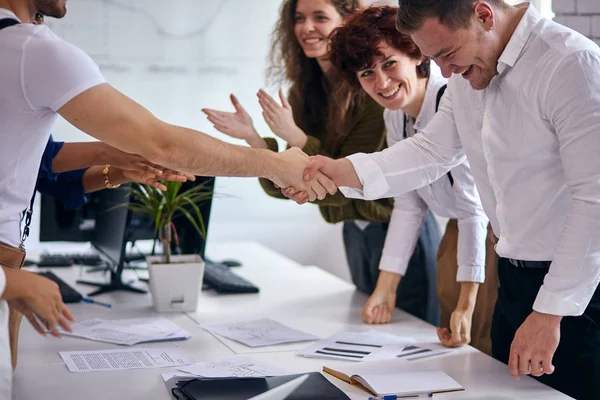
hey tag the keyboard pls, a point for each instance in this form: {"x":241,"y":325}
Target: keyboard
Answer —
{"x":66,"y":260}
{"x":220,"y":278}
{"x":69,"y":295}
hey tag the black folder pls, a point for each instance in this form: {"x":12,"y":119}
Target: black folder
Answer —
{"x":316,"y":387}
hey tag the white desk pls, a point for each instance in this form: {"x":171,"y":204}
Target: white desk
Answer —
{"x":306,"y":298}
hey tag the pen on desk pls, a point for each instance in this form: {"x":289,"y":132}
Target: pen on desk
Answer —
{"x":397,"y":397}
{"x":92,"y":301}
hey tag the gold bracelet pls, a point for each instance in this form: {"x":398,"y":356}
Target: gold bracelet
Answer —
{"x":106,"y":180}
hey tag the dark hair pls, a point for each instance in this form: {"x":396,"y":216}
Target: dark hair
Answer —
{"x":454,"y":14}
{"x":321,"y":102}
{"x":354,"y":46}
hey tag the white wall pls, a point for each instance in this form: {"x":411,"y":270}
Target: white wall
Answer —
{"x":179,"y":56}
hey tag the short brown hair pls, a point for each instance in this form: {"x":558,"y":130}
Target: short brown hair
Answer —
{"x":454,"y":14}
{"x":354,"y":45}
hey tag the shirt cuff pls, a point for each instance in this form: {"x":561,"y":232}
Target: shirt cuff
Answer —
{"x":393,"y":264}
{"x":548,"y":303}
{"x":471,"y":274}
{"x":2,"y":281}
{"x":375,"y":185}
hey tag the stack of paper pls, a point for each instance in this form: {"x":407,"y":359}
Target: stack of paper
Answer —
{"x":357,"y":346}
{"x":261,"y":332}
{"x":128,"y":331}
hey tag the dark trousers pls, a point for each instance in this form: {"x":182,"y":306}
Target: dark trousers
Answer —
{"x":577,"y":358}
{"x":417,"y":290}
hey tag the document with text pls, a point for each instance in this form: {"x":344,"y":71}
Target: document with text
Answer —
{"x":119,"y":359}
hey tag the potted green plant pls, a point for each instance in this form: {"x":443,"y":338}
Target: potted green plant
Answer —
{"x":175,"y":280}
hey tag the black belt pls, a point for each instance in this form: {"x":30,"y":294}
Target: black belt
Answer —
{"x":530,"y":264}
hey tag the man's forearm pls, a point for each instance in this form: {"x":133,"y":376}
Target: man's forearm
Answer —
{"x":204,"y":155}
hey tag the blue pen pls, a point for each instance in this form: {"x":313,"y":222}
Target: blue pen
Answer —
{"x":396,"y":397}
{"x":92,"y":301}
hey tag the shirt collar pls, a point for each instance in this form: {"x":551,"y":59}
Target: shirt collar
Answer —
{"x":517,"y":41}
{"x":4,"y":13}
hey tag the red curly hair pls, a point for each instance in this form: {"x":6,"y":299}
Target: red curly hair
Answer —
{"x":354,"y":46}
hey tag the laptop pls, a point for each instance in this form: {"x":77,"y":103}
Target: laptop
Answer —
{"x":282,"y":391}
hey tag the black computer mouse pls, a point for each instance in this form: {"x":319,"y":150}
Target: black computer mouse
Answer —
{"x":231,"y":263}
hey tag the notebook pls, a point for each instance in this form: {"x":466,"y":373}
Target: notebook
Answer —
{"x":316,"y":387}
{"x":382,"y":379}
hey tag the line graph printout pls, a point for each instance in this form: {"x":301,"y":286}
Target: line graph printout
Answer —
{"x":260,"y":332}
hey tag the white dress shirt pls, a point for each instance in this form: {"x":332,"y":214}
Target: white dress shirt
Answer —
{"x":39,"y":73}
{"x":532,"y":139}
{"x":459,"y":200}
{"x":5,"y":360}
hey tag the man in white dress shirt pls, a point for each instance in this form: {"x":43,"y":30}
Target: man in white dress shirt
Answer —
{"x":523,"y":105}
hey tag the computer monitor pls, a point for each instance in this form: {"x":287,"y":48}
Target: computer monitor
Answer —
{"x":57,"y":224}
{"x":190,"y":241}
{"x":113,"y":220}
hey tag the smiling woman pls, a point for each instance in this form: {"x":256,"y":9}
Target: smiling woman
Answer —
{"x":327,"y":116}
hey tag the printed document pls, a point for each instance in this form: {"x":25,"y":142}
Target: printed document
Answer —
{"x":238,"y":366}
{"x":357,"y":346}
{"x":261,"y":332}
{"x":128,"y":331}
{"x":112,"y":360}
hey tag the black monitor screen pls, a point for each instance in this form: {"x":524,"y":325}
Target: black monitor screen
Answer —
{"x":58,"y":224}
{"x":111,"y":222}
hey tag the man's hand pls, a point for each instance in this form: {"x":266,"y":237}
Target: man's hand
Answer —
{"x":340,"y":171}
{"x":289,"y":172}
{"x":534,"y":345}
{"x":280,"y":119}
{"x":39,"y":300}
{"x":460,"y":329}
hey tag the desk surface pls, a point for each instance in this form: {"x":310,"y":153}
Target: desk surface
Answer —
{"x":306,"y":298}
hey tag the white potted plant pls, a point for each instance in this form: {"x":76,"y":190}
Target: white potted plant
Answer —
{"x":175,"y":280}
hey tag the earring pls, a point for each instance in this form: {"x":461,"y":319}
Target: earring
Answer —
{"x":418,"y":63}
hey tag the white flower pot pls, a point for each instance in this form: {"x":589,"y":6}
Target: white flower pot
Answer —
{"x":175,"y":287}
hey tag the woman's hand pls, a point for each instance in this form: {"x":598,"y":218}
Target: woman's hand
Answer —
{"x":41,"y":303}
{"x":120,"y":176}
{"x":380,"y":306}
{"x":236,"y":124}
{"x":280,"y":119}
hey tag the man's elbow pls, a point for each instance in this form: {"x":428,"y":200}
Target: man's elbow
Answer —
{"x":157,"y":148}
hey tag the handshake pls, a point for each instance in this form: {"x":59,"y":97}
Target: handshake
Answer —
{"x":303,"y":178}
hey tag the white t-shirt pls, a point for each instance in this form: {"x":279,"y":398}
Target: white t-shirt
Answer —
{"x":39,"y":73}
{"x":5,"y":362}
